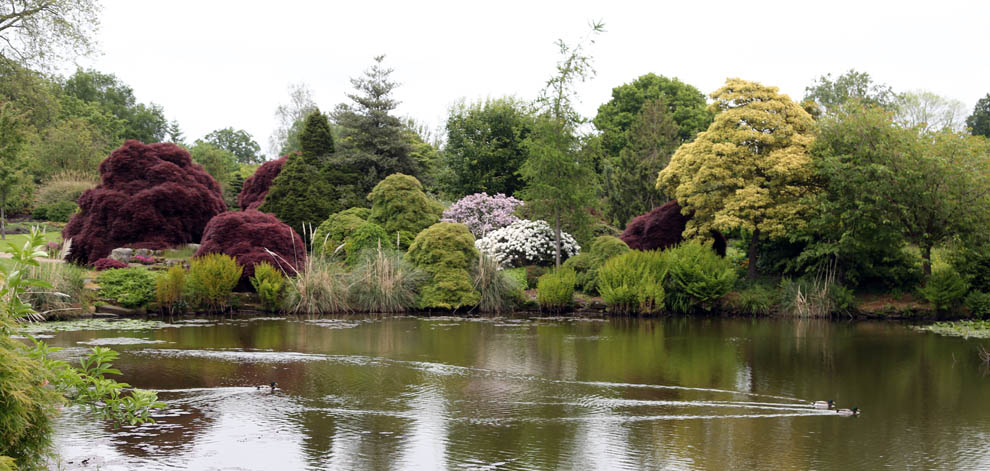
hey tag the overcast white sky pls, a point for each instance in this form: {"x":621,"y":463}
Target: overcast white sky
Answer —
{"x":213,"y":64}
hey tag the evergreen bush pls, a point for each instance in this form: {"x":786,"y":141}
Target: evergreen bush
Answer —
{"x":555,"y":290}
{"x":333,"y":232}
{"x":445,"y":251}
{"x":367,"y":236}
{"x":978,"y":303}
{"x":128,"y":287}
{"x":211,"y":280}
{"x":586,"y":264}
{"x":697,"y":277}
{"x":400,"y":206}
{"x":633,"y":282}
{"x":945,"y":289}
{"x":269,"y":283}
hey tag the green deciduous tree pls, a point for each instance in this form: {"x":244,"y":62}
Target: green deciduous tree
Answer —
{"x":42,"y":32}
{"x":831,"y":94}
{"x":979,"y":121}
{"x":929,"y":111}
{"x":72,"y":145}
{"x":145,"y":123}
{"x":559,"y":180}
{"x":238,"y":142}
{"x":485,"y":148}
{"x":11,"y":162}
{"x":217,"y":162}
{"x":749,"y":170}
{"x":285,"y":138}
{"x":684,"y":103}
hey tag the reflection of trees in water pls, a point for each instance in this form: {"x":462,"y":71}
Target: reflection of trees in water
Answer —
{"x":172,"y":435}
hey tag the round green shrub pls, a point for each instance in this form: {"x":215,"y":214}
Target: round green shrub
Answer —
{"x":400,"y":206}
{"x":445,"y":251}
{"x":128,"y":287}
{"x":211,"y":280}
{"x":367,"y":236}
{"x":60,"y":211}
{"x":633,"y":282}
{"x":555,"y":290}
{"x":696,"y":277}
{"x":945,"y":289}
{"x":586,"y":264}
{"x":978,"y":304}
{"x":334,"y":231}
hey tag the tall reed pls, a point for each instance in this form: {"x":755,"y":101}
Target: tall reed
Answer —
{"x":499,"y":292}
{"x":319,"y":288}
{"x":382,"y":281}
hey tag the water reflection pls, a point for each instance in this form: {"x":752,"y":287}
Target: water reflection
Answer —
{"x":411,"y":393}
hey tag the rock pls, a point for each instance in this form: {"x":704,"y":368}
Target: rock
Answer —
{"x":143,"y":252}
{"x":122,"y":254}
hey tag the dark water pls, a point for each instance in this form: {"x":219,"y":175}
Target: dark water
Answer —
{"x":450,"y":393}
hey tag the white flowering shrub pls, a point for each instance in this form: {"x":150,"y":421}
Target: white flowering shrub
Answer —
{"x":526,"y":242}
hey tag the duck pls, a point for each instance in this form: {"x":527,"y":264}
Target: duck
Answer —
{"x":273,"y":386}
{"x":849,"y":412}
{"x":829,"y":404}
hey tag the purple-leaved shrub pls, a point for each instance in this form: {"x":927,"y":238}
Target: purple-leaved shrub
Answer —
{"x":482,"y":213}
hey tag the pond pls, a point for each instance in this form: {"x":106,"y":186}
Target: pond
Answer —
{"x":537,"y":393}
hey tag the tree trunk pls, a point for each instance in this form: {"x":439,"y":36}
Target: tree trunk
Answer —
{"x":754,"y":245}
{"x":926,"y":260}
{"x":556,"y":236}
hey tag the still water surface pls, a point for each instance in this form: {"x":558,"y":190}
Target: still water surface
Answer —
{"x":541,"y":393}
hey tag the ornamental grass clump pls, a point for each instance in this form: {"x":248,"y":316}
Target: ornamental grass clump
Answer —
{"x":127,"y":287}
{"x":67,"y":295}
{"x":482,"y":213}
{"x":555,"y":290}
{"x":526,"y":242}
{"x":211,"y":280}
{"x":445,"y":251}
{"x":319,"y":288}
{"x":269,"y":283}
{"x":633,"y":282}
{"x":696,"y":277}
{"x":170,"y":289}
{"x":383,"y":282}
{"x":499,"y":291}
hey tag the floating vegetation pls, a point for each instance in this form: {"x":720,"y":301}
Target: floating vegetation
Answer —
{"x":120,"y":341}
{"x":93,"y":324}
{"x":977,"y":329}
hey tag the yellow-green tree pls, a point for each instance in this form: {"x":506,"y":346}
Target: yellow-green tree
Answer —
{"x":750,"y":169}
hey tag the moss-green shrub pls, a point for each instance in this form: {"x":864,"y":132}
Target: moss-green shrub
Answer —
{"x":170,"y":288}
{"x":128,"y":287}
{"x":555,"y":290}
{"x":334,"y":231}
{"x":633,"y":282}
{"x":944,"y":289}
{"x":756,"y":300}
{"x":979,"y":304}
{"x":587,"y":264}
{"x":382,"y":281}
{"x":367,"y":236}
{"x":696,"y":277}
{"x":59,"y":211}
{"x":211,"y":280}
{"x":445,"y":251}
{"x":269,"y":283}
{"x":400,"y":206}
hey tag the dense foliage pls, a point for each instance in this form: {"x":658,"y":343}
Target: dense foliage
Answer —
{"x":253,"y":237}
{"x":332,"y":233}
{"x":128,"y":287}
{"x":151,"y":196}
{"x":269,"y":283}
{"x":555,"y":290}
{"x":587,"y":264}
{"x":400,"y":206}
{"x":445,"y":251}
{"x":211,"y":279}
{"x":633,"y":282}
{"x":696,"y":278}
{"x":367,"y":236}
{"x":526,"y":242}
{"x":482,"y":213}
{"x":255,"y":188}
{"x":757,"y":149}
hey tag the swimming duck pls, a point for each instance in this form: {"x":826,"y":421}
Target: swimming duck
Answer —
{"x":848,"y":412}
{"x":273,"y":386}
{"x":829,"y":404}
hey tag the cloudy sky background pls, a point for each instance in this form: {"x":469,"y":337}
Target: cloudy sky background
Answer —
{"x":213,"y":64}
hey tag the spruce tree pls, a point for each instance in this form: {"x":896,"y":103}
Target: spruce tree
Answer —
{"x":316,"y":139}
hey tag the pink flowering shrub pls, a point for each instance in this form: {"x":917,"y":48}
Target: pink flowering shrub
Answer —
{"x":108,"y":263}
{"x":143,"y":260}
{"x":482,"y":213}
